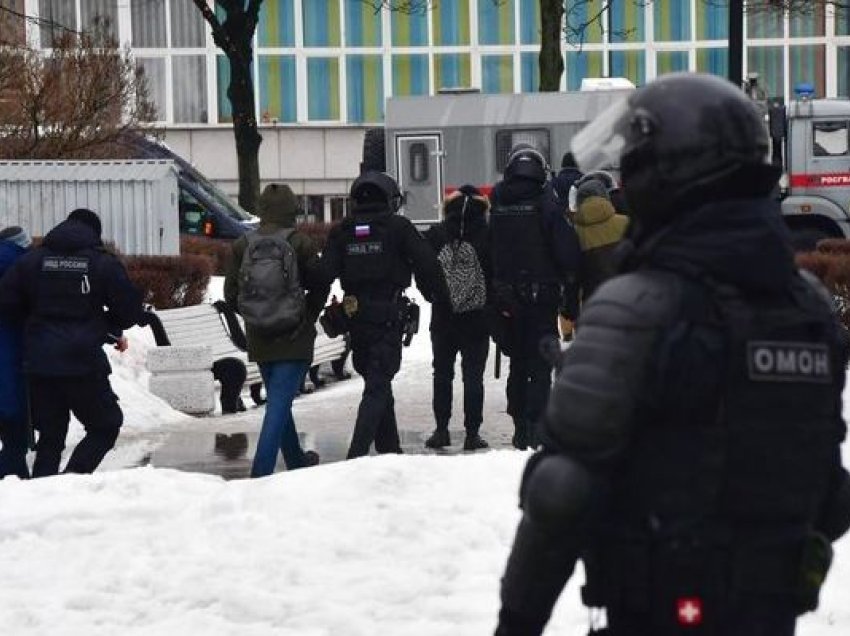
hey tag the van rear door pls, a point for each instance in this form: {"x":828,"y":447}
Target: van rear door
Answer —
{"x":419,"y":166}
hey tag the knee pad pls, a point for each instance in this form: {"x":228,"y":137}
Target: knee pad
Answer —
{"x":556,"y":490}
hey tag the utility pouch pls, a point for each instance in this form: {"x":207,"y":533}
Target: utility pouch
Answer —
{"x":409,"y":320}
{"x":815,"y":562}
{"x":333,"y":320}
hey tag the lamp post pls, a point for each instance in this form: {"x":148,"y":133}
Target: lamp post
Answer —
{"x":736,"y":42}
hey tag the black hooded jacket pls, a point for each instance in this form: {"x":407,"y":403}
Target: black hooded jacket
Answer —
{"x":74,"y":297}
{"x":472,"y":229}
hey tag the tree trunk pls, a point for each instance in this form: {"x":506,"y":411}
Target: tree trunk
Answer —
{"x":551,"y":60}
{"x":248,"y":139}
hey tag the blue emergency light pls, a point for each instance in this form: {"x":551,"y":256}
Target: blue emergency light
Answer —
{"x":804,"y":90}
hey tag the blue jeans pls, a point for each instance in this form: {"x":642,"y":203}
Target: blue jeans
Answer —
{"x":283,"y":380}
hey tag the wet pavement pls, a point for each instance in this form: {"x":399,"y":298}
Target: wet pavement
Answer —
{"x":225,"y":445}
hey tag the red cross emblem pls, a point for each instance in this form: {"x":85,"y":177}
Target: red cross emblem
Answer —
{"x":689,"y":611}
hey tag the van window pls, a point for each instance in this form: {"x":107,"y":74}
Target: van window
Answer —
{"x":830,"y":139}
{"x":506,"y":139}
{"x":192,"y":214}
{"x":419,"y":155}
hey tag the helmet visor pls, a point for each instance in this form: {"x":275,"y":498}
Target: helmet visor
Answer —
{"x":599,"y":144}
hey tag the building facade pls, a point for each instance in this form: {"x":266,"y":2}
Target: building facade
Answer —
{"x":324,"y":68}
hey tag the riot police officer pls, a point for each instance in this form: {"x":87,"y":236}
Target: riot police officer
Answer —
{"x":692,"y":441}
{"x":373,"y":252}
{"x":534,"y":253}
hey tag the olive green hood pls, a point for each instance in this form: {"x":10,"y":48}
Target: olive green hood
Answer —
{"x":278,"y":206}
{"x":598,"y":224}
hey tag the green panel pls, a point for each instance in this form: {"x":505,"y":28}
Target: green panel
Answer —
{"x":808,"y":66}
{"x":767,"y":62}
{"x":450,"y":22}
{"x":714,"y":61}
{"x":627,"y":21}
{"x":409,"y":29}
{"x":496,"y":22}
{"x":671,"y":62}
{"x":497,"y":73}
{"x":843,"y":71}
{"x":629,"y":64}
{"x":452,"y":70}
{"x":764,"y":23}
{"x":362,"y":24}
{"x":410,"y":75}
{"x":277,"y":23}
{"x":672,"y":20}
{"x":365,"y":88}
{"x":529,"y":21}
{"x":712,"y":20}
{"x":277,"y":88}
{"x":582,"y":64}
{"x":842,"y":21}
{"x":225,"y":112}
{"x":323,"y":88}
{"x":809,"y":24}
{"x":321,"y":23}
{"x":580,"y":27}
{"x":529,"y":66}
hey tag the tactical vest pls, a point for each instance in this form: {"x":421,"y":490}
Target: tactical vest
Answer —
{"x":521,"y":253}
{"x":66,"y":287}
{"x":726,"y":474}
{"x":372,"y":264}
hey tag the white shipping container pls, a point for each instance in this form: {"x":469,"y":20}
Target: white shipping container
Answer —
{"x":137,"y":200}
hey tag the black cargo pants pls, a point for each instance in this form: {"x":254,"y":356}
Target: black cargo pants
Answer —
{"x":91,"y":400}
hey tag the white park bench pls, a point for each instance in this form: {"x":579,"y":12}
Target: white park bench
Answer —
{"x":209,"y":332}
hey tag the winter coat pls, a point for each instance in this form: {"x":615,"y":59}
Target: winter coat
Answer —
{"x":12,"y":392}
{"x":69,"y":316}
{"x":599,"y":230}
{"x":278,"y":210}
{"x":474,"y":231}
{"x":562,"y":182}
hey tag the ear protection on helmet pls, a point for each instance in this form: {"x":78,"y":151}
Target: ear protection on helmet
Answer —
{"x":375,"y":189}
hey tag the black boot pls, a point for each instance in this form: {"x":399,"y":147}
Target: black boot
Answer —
{"x":520,"y":438}
{"x":474,"y":442}
{"x":439,"y":438}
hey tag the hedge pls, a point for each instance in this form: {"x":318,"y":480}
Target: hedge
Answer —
{"x":217,"y":250}
{"x":831,"y":263}
{"x":170,"y":281}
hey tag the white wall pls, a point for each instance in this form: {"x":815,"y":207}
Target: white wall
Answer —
{"x":312,"y":160}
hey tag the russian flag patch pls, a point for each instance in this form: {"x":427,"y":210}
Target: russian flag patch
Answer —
{"x":361,"y":231}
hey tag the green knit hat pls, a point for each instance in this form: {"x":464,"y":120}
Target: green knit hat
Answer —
{"x":278,"y":205}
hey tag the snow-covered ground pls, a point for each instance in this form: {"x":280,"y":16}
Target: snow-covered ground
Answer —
{"x":400,"y":545}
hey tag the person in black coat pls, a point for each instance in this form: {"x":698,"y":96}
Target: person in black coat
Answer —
{"x":459,"y":325}
{"x":73,"y":297}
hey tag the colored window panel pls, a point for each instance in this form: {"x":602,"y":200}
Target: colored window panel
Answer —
{"x":13,"y":25}
{"x":452,"y":70}
{"x":410,"y":74}
{"x":581,"y":23}
{"x":529,"y":21}
{"x":496,"y":22}
{"x":321,"y":23}
{"x":581,"y":64}
{"x":842,"y":21}
{"x":189,"y":88}
{"x":629,"y":64}
{"x":277,"y":23}
{"x":362,"y":24}
{"x":409,"y":29}
{"x":714,"y":61}
{"x":764,"y":23}
{"x":671,"y":61}
{"x":712,"y":20}
{"x":672,"y":20}
{"x":497,"y":73}
{"x":809,"y":24}
{"x":103,"y":11}
{"x":148,"y":22}
{"x":222,"y":69}
{"x":767,"y":62}
{"x":56,"y":15}
{"x":529,"y":72}
{"x":277,"y":88}
{"x":154,"y":70}
{"x":322,"y":89}
{"x":808,"y":66}
{"x":188,"y":27}
{"x":625,"y":22}
{"x":843,"y":53}
{"x":451,"y":22}
{"x":365,"y":88}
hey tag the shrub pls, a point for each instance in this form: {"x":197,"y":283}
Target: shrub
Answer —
{"x":830,"y":262}
{"x":317,"y":231}
{"x":170,"y":281}
{"x":217,"y":250}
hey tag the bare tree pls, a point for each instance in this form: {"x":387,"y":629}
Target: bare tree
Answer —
{"x":234,"y":36}
{"x":76,"y":102}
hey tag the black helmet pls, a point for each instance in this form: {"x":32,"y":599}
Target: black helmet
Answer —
{"x":375,"y":192}
{"x":526,"y":162}
{"x":681,"y":140}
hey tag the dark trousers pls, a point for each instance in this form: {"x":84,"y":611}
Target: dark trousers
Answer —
{"x":231,"y":373}
{"x":530,"y":375}
{"x":473,"y":349}
{"x":91,"y":400}
{"x":14,"y":440}
{"x":376,"y":354}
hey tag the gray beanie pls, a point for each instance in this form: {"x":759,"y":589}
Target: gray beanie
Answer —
{"x":591,"y":188}
{"x":17,"y":235}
